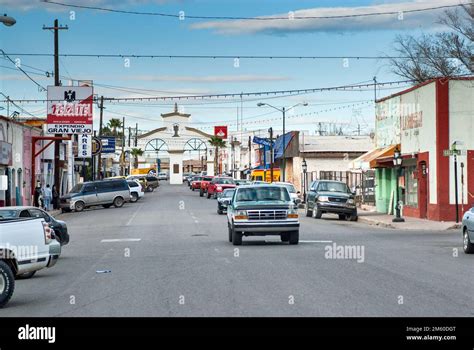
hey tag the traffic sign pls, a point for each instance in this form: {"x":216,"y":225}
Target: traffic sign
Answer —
{"x":96,"y":146}
{"x":453,"y":152}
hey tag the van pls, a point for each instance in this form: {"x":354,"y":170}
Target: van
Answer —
{"x":104,"y":192}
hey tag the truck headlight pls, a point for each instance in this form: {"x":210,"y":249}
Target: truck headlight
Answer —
{"x":323,"y":199}
{"x":241,"y":215}
{"x":350,"y":201}
{"x":219,"y":188}
{"x":292,"y":214}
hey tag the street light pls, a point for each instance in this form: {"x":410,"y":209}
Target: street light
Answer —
{"x":283,"y":111}
{"x":7,"y":20}
{"x":305,"y":169}
{"x":397,"y":161}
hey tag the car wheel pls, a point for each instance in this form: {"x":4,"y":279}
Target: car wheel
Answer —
{"x":236,"y":237}
{"x":106,"y":206}
{"x":134,"y":197}
{"x":149,"y":189}
{"x":342,"y":217}
{"x":201,"y":193}
{"x":294,"y":237}
{"x":285,"y":237}
{"x":118,"y":202}
{"x":317,"y":214}
{"x":208,"y":195}
{"x":467,"y":245}
{"x":219,"y":210}
{"x":79,"y":206}
{"x":25,"y":275}
{"x":353,"y":217}
{"x":309,"y":213}
{"x":7,"y":283}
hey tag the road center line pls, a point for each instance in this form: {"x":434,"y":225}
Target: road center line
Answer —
{"x":134,"y":214}
{"x":121,"y":240}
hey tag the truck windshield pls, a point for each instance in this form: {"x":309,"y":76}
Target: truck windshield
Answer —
{"x":262,"y":194}
{"x":333,"y":187}
{"x":226,"y":181}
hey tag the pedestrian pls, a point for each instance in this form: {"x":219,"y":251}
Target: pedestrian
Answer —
{"x":36,"y":195}
{"x":47,"y":196}
{"x":55,"y":198}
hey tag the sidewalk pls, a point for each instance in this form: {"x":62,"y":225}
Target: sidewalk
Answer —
{"x":383,"y":220}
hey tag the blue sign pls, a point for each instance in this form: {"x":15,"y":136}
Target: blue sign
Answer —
{"x":108,"y":144}
{"x":261,"y":141}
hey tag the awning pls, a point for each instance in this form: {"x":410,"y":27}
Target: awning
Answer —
{"x":374,"y":158}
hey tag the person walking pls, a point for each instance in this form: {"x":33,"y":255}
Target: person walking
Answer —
{"x":55,"y":198}
{"x":47,"y":196}
{"x":36,"y":195}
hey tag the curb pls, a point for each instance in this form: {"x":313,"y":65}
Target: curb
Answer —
{"x":375,"y":222}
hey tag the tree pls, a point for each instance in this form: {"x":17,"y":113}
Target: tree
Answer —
{"x":135,"y":153}
{"x":217,"y":142}
{"x":438,"y":55}
{"x":113,"y":124}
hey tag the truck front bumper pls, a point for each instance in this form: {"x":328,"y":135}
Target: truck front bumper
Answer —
{"x":263,"y":227}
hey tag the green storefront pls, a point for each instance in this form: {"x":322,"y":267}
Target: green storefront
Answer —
{"x":386,"y":184}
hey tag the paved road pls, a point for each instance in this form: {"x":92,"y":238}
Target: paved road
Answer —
{"x":182,"y":265}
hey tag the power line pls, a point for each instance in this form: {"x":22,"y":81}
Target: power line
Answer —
{"x":182,"y":16}
{"x":41,"y":88}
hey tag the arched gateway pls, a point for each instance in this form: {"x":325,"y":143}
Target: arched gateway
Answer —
{"x":176,"y":137}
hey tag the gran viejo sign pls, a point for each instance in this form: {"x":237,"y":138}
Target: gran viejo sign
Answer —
{"x":70,"y":110}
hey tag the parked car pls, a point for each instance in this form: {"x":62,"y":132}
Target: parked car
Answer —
{"x":103,"y":192}
{"x":219,"y":184}
{"x":326,"y":196}
{"x":152,"y":182}
{"x":205,"y":181}
{"x":141,"y":179}
{"x":27,"y":245}
{"x":163,"y":176}
{"x":187,"y":177}
{"x":195,"y":183}
{"x":136,"y":190}
{"x":260,"y":210}
{"x":59,"y":227}
{"x":242,"y":182}
{"x":468,"y":231}
{"x":292,"y":190}
{"x":223,"y":200}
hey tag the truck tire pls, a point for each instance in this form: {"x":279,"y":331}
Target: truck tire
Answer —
{"x":317,"y":214}
{"x":118,"y":202}
{"x":230,"y":233}
{"x":208,"y":195}
{"x":79,"y":206}
{"x":25,"y":276}
{"x":236,"y":238}
{"x":309,"y":213}
{"x":285,"y":237}
{"x":201,"y":193}
{"x":294,"y":237}
{"x":149,"y":189}
{"x":353,"y":217}
{"x":468,"y":247}
{"x":7,"y":283}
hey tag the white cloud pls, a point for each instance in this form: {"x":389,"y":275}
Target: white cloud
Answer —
{"x":210,"y":78}
{"x":382,"y":22}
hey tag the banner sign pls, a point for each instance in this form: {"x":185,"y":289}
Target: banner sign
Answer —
{"x":69,"y":110}
{"x":262,"y":141}
{"x":220,"y":131}
{"x":6,"y":153}
{"x":85,"y":146}
{"x":108,"y":144}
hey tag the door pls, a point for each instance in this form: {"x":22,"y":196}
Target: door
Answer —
{"x":89,"y":195}
{"x":422,"y":190}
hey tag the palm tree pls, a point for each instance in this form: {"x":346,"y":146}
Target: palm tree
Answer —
{"x":113,"y":124}
{"x":216,"y":142}
{"x":135,"y":153}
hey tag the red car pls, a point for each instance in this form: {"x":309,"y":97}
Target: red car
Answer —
{"x":196,"y":183}
{"x":219,"y":184}
{"x":206,"y":179}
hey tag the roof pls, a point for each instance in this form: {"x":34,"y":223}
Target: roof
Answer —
{"x":347,"y":144}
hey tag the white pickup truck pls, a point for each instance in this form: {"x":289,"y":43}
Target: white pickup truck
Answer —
{"x":26,"y":246}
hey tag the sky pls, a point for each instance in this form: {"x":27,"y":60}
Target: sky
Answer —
{"x":99,"y":32}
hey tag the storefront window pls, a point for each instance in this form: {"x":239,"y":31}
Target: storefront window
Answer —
{"x":411,"y":187}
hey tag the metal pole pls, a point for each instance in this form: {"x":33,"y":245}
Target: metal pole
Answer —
{"x":456,"y":186}
{"x":271,"y":155}
{"x":284,"y":148}
{"x":101,"y":107}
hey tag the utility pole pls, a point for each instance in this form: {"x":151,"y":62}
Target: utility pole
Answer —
{"x":122,"y":165}
{"x":271,"y":154}
{"x":250,"y":153}
{"x":456,"y":199}
{"x":57,"y":82}
{"x":136,"y":134}
{"x":101,"y":107}
{"x":129,"y":135}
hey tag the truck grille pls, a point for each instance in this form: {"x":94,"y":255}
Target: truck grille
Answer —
{"x":337,"y":200}
{"x":278,"y":214}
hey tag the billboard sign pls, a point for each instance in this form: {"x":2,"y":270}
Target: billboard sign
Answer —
{"x":108,"y":144}
{"x":220,"y":131}
{"x":262,"y":141}
{"x":85,"y":146}
{"x":69,"y":110}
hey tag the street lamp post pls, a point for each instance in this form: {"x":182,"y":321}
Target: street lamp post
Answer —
{"x":305,"y":169}
{"x":283,"y":111}
{"x":397,"y":161}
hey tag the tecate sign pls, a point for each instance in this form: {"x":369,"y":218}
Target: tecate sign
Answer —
{"x":220,"y":131}
{"x":70,"y":109}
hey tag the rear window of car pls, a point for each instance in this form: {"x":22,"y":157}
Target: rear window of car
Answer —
{"x":225,"y":181}
{"x":132,"y":184}
{"x":207,"y":178}
{"x":262,"y":193}
{"x":197,"y":178}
